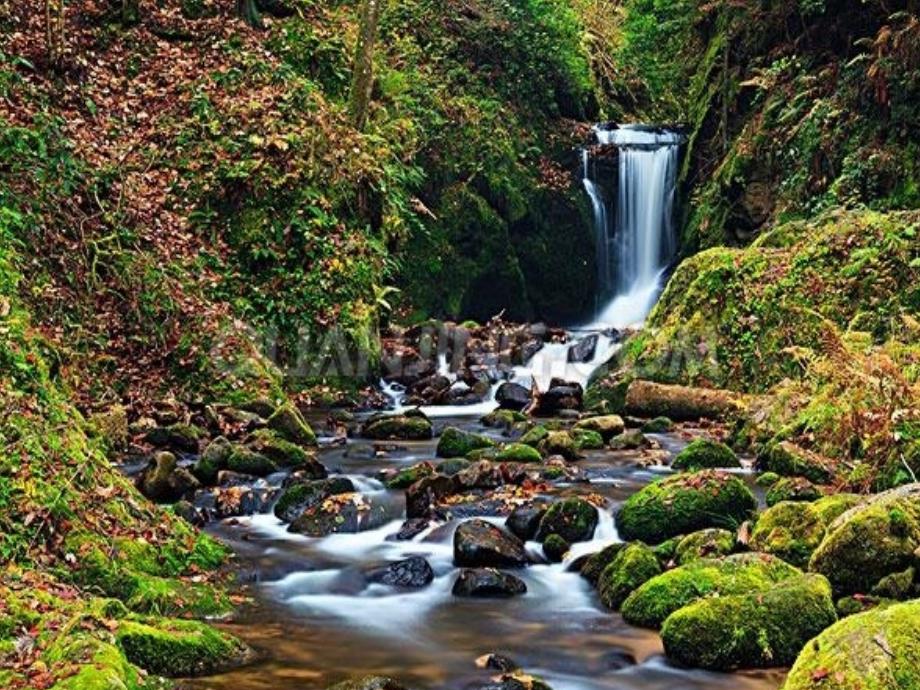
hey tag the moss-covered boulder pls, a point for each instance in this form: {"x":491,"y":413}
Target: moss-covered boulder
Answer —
{"x":685,"y":503}
{"x":743,"y":573}
{"x":271,"y":444}
{"x":399,"y":427}
{"x":792,"y":489}
{"x":519,"y":452}
{"x":212,"y":460}
{"x":629,"y":440}
{"x":658,"y":425}
{"x":291,"y":425}
{"x":586,"y":439}
{"x":875,"y":650}
{"x":181,"y":438}
{"x":789,"y":460}
{"x":633,"y":565}
{"x":406,"y":477}
{"x":298,"y":497}
{"x":607,"y":426}
{"x":596,"y":563}
{"x":247,"y":461}
{"x":870,"y":541}
{"x":706,"y":543}
{"x":560,"y":443}
{"x":754,"y":630}
{"x":164,"y":480}
{"x":573,"y":519}
{"x":703,"y":453}
{"x":503,"y":419}
{"x":457,"y":443}
{"x":555,"y":548}
{"x":793,"y":530}
{"x":178,"y":648}
{"x":533,"y":436}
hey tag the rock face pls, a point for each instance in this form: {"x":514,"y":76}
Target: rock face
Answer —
{"x":414,"y":572}
{"x":480,"y":544}
{"x":878,"y":649}
{"x":793,"y":530}
{"x":871,"y":541}
{"x":702,"y":454}
{"x":487,"y":583}
{"x":633,"y":565}
{"x":763,"y":629}
{"x":573,"y":519}
{"x":456,"y":443}
{"x":401,"y":427}
{"x":685,"y":503}
{"x":343,"y":513}
{"x":649,"y":605}
{"x":512,"y":396}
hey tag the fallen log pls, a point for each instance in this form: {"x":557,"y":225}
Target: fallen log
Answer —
{"x":681,"y":403}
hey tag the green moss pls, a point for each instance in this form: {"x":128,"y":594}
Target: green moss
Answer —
{"x":875,"y":650}
{"x":555,"y":548}
{"x":533,"y":437}
{"x":707,"y":543}
{"x":401,"y":427}
{"x":586,"y":439}
{"x":659,"y":425}
{"x":406,"y":477}
{"x":745,"y":573}
{"x":181,"y":437}
{"x":503,"y":419}
{"x":573,"y":519}
{"x":213,"y":460}
{"x":597,"y":562}
{"x":560,"y":443}
{"x":793,"y":530}
{"x":631,"y":567}
{"x":283,"y":452}
{"x":701,"y":454}
{"x":607,"y":426}
{"x":288,"y":422}
{"x":685,"y":503}
{"x":456,"y":443}
{"x":175,"y":648}
{"x":788,"y":460}
{"x":246,"y":461}
{"x":792,"y":489}
{"x":629,"y":440}
{"x":762,"y":629}
{"x":519,"y":452}
{"x":767,"y":479}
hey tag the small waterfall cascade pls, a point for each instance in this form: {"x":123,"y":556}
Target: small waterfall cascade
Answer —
{"x":634,"y":225}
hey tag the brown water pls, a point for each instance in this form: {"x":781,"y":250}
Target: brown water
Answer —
{"x":316,"y":621}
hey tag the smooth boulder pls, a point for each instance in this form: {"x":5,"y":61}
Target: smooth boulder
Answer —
{"x":480,"y":544}
{"x":704,"y":454}
{"x":487,"y":583}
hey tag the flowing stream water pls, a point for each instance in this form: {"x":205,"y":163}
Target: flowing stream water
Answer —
{"x":318,"y":619}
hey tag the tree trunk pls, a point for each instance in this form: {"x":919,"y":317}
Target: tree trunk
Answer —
{"x":363,"y":74}
{"x":248,"y":11}
{"x":648,"y":399}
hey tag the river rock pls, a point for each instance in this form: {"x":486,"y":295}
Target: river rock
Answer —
{"x":789,"y":460}
{"x":368,"y":683}
{"x":236,"y":501}
{"x":560,"y":443}
{"x":607,"y":426}
{"x":512,"y":396}
{"x":524,"y":520}
{"x":871,"y":541}
{"x":753,"y":630}
{"x":487,"y":583}
{"x":684,"y":503}
{"x":410,"y":529}
{"x":480,"y":544}
{"x":633,"y":565}
{"x":291,"y":425}
{"x":630,"y":440}
{"x":792,"y":489}
{"x":213,"y":460}
{"x":573,"y":519}
{"x":519,"y":452}
{"x":457,"y":443}
{"x":555,"y":548}
{"x":301,"y":495}
{"x":423,"y":496}
{"x":180,"y":438}
{"x":703,"y":454}
{"x":414,"y":572}
{"x":878,"y":649}
{"x":583,"y":350}
{"x":403,"y":427}
{"x":163,"y":480}
{"x":561,"y":395}
{"x":595,"y":564}
{"x":344,"y":513}
{"x":246,"y":461}
{"x":406,"y":477}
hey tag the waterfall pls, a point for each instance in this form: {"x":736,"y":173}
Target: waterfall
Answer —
{"x":636,"y":248}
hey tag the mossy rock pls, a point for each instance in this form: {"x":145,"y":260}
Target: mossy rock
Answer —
{"x":792,"y":489}
{"x":368,"y":683}
{"x":519,"y":452}
{"x":457,"y":443}
{"x":100,"y":665}
{"x":407,"y":476}
{"x":755,"y":630}
{"x":560,"y":443}
{"x":534,"y":436}
{"x":503,"y":419}
{"x":702,"y":454}
{"x":793,"y":530}
{"x":573,"y":519}
{"x":788,"y":460}
{"x":400,"y":427}
{"x":634,"y":565}
{"x":555,"y":548}
{"x":659,"y":425}
{"x":874,"y":650}
{"x":899,"y":586}
{"x":586,"y":439}
{"x":288,"y":422}
{"x":667,"y":550}
{"x":246,"y":461}
{"x":451,"y":466}
{"x":596,"y":562}
{"x":706,"y":543}
{"x":767,"y":479}
{"x":213,"y":460}
{"x":871,"y":541}
{"x":178,"y":648}
{"x":183,"y":438}
{"x":607,"y":426}
{"x":685,"y":503}
{"x":629,"y":440}
{"x":296,"y":498}
{"x":742,"y":573}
